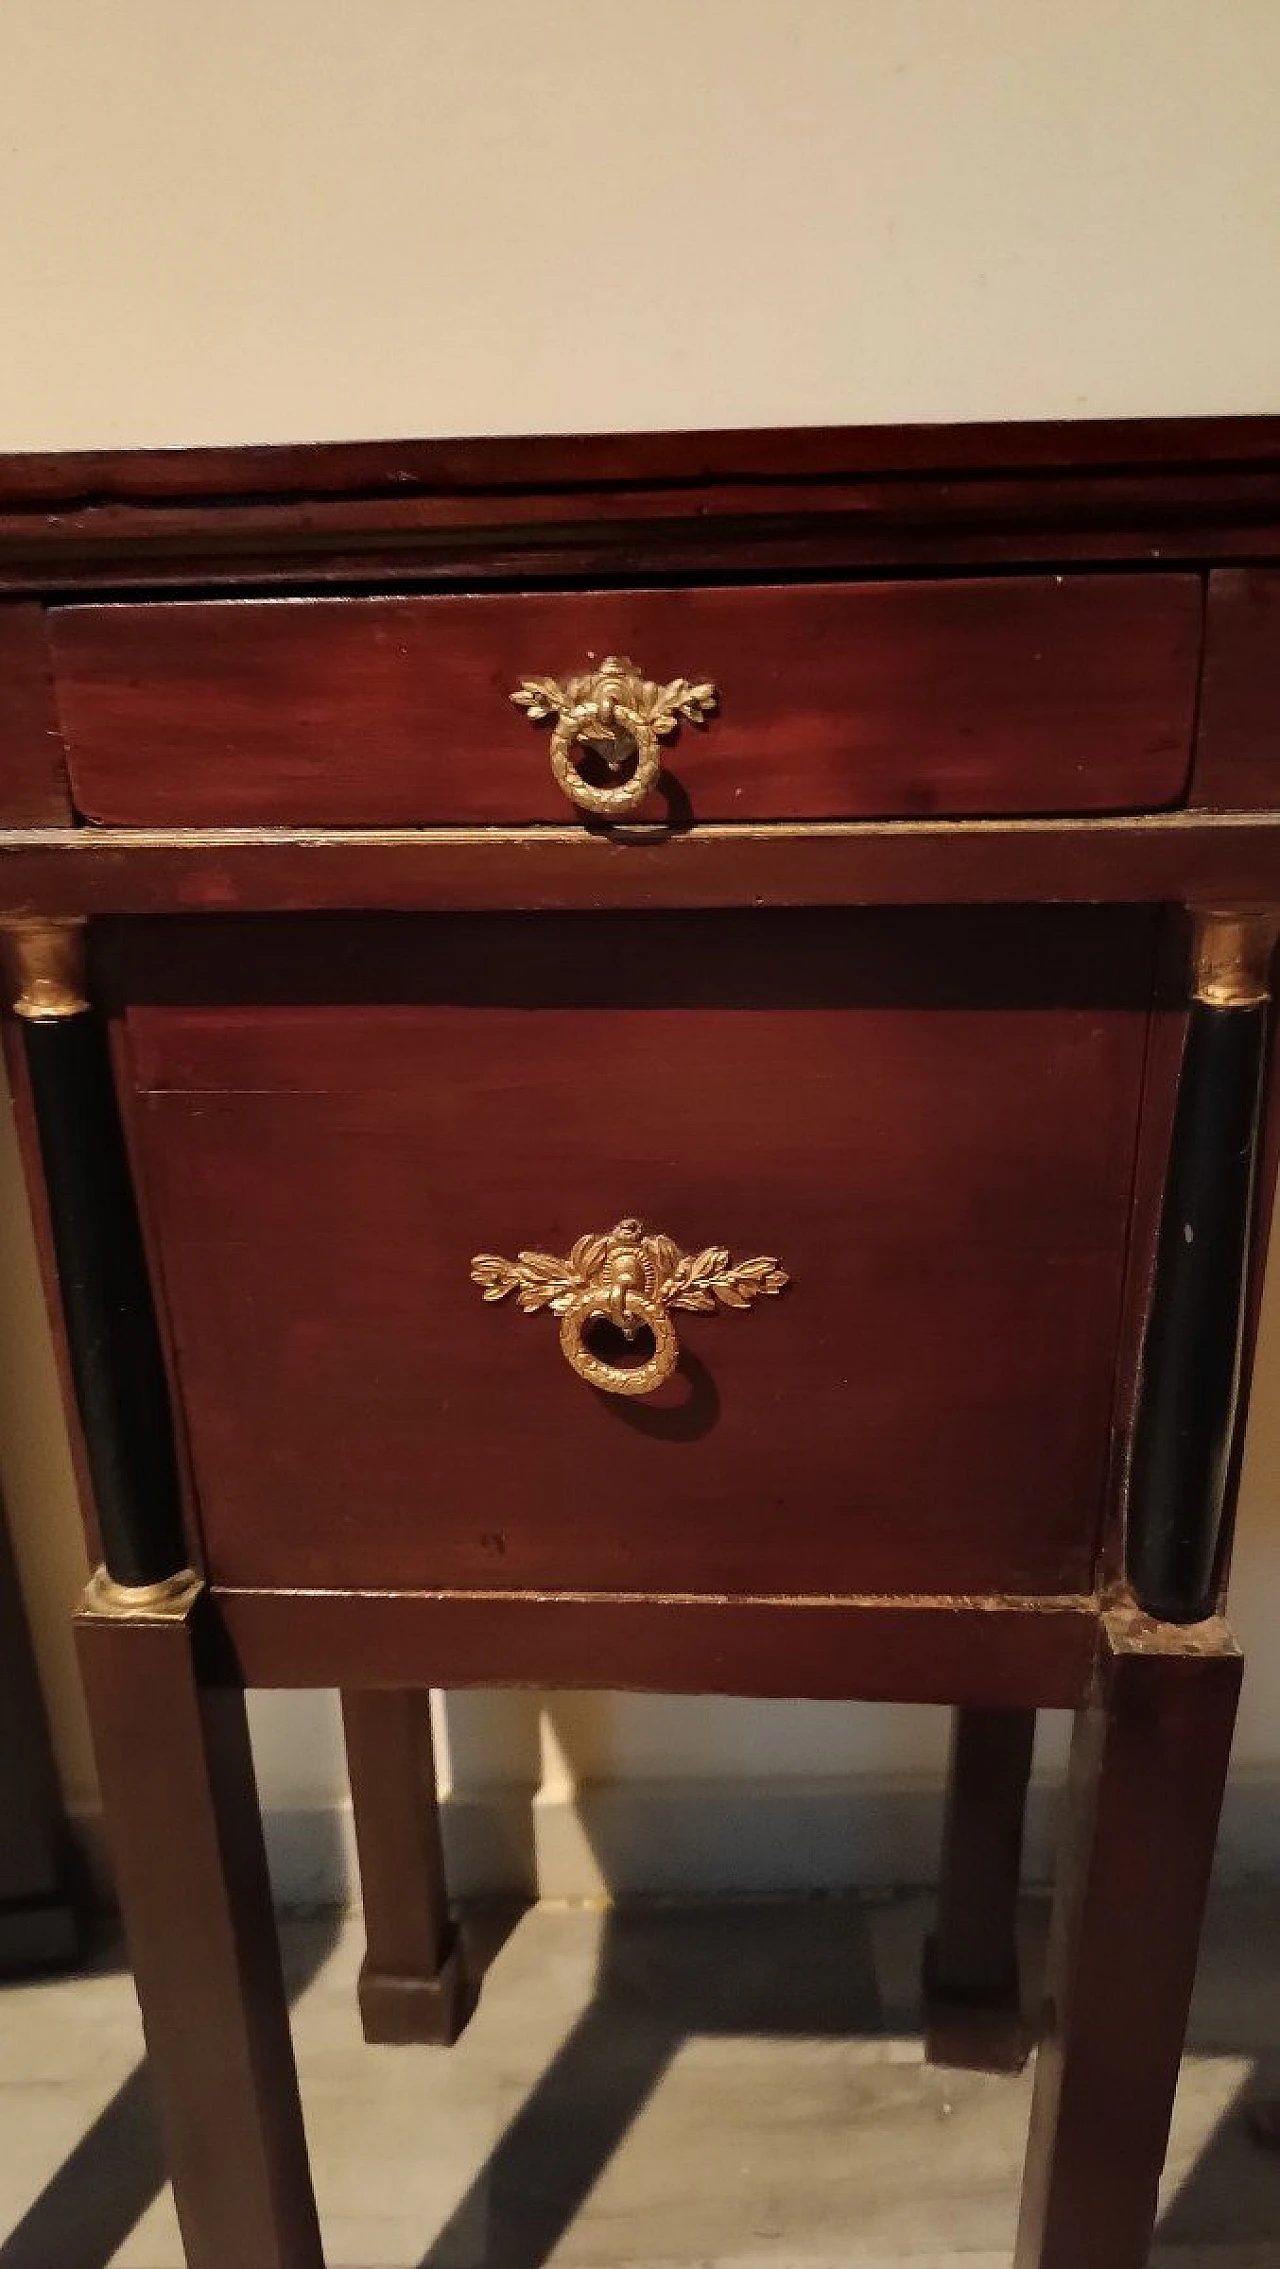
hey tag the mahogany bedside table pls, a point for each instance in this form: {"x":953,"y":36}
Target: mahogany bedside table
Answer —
{"x":643,"y":1065}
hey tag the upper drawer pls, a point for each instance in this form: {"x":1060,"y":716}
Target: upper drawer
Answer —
{"x":1032,"y":694}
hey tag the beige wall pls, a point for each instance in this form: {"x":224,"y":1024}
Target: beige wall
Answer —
{"x":236,"y":220}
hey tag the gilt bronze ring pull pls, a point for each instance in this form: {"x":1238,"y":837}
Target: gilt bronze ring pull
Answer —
{"x":622,"y":716}
{"x":632,"y":1281}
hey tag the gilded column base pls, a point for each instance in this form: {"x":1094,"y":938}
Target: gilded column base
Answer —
{"x":169,"y":1596}
{"x":46,"y":962}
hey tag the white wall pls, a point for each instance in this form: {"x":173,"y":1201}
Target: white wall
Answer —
{"x":241,"y":220}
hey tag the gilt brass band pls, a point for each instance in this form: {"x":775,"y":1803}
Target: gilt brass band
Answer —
{"x":1233,"y":953}
{"x":46,"y":963}
{"x":170,"y":1595}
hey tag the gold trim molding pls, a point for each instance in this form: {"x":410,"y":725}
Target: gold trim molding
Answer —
{"x":47,"y":965}
{"x":1233,"y":952}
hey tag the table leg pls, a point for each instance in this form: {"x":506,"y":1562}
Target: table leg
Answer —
{"x":1148,"y":1767}
{"x":412,"y":1983}
{"x":186,"y":1837}
{"x":973,"y":2005}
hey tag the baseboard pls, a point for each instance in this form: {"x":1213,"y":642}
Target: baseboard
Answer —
{"x":701,"y":1838}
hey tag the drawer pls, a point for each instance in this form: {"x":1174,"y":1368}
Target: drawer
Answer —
{"x":1026,"y":694}
{"x":928,"y":1121}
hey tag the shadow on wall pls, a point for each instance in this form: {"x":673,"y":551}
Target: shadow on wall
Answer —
{"x":669,"y":1795}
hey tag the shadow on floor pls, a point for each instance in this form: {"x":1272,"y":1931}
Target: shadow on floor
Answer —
{"x":809,"y":1974}
{"x":1232,"y":2195}
{"x":87,"y":2209}
{"x":703,"y":1970}
{"x":789,"y":1969}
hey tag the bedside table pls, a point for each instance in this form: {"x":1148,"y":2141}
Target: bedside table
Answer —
{"x":643,"y":1064}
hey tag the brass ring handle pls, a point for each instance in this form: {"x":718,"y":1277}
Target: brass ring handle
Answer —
{"x":620,"y":715}
{"x":632,"y":1281}
{"x":619,"y":1378}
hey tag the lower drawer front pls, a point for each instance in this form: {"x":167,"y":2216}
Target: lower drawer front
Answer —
{"x":931,"y":1123}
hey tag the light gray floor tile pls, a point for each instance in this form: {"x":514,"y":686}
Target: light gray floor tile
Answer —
{"x":666,"y":2088}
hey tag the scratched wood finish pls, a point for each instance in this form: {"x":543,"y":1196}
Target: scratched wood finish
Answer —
{"x":33,"y":788}
{"x":992,"y":1654}
{"x":1206,"y":857}
{"x":1031,"y":694}
{"x":1238,"y":743}
{"x":930,"y":1119}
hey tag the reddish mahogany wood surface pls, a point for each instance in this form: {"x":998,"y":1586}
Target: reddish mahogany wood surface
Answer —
{"x":1207,"y":858}
{"x":18,"y":1080}
{"x":33,"y":788}
{"x":931,"y":1120}
{"x":987,"y":1653}
{"x":186,"y":1842}
{"x":1165,"y":1037}
{"x":972,"y":1985}
{"x":1238,"y":745}
{"x":1148,"y":1767}
{"x":629,"y":505}
{"x":412,"y":1983}
{"x":1031,"y":694}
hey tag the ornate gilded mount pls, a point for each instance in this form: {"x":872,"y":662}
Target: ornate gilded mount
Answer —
{"x":621,"y":715}
{"x":632,"y":1281}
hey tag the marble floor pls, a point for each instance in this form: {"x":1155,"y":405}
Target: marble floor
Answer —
{"x":713,"y":2087}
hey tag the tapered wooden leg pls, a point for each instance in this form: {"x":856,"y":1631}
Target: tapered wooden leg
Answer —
{"x":186,"y":1836}
{"x":973,"y":2006}
{"x":412,"y":1983}
{"x":1147,"y":1772}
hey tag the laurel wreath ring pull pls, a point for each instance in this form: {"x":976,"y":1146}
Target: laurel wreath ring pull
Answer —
{"x":619,"y":1378}
{"x":632,"y":1281}
{"x":619,"y":715}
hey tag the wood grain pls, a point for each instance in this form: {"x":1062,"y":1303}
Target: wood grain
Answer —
{"x":833,"y":501}
{"x":930,"y":1121}
{"x":1032,"y":694}
{"x":973,"y":2007}
{"x":1180,"y":857}
{"x":992,"y":1653}
{"x":412,"y":1986}
{"x":33,"y":781}
{"x":1237,"y":761}
{"x":186,"y":1838}
{"x":1148,"y":1767}
{"x":948,"y":1111}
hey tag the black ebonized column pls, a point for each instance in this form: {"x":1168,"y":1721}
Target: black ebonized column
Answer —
{"x":1191,"y":1363}
{"x":121,"y":1391}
